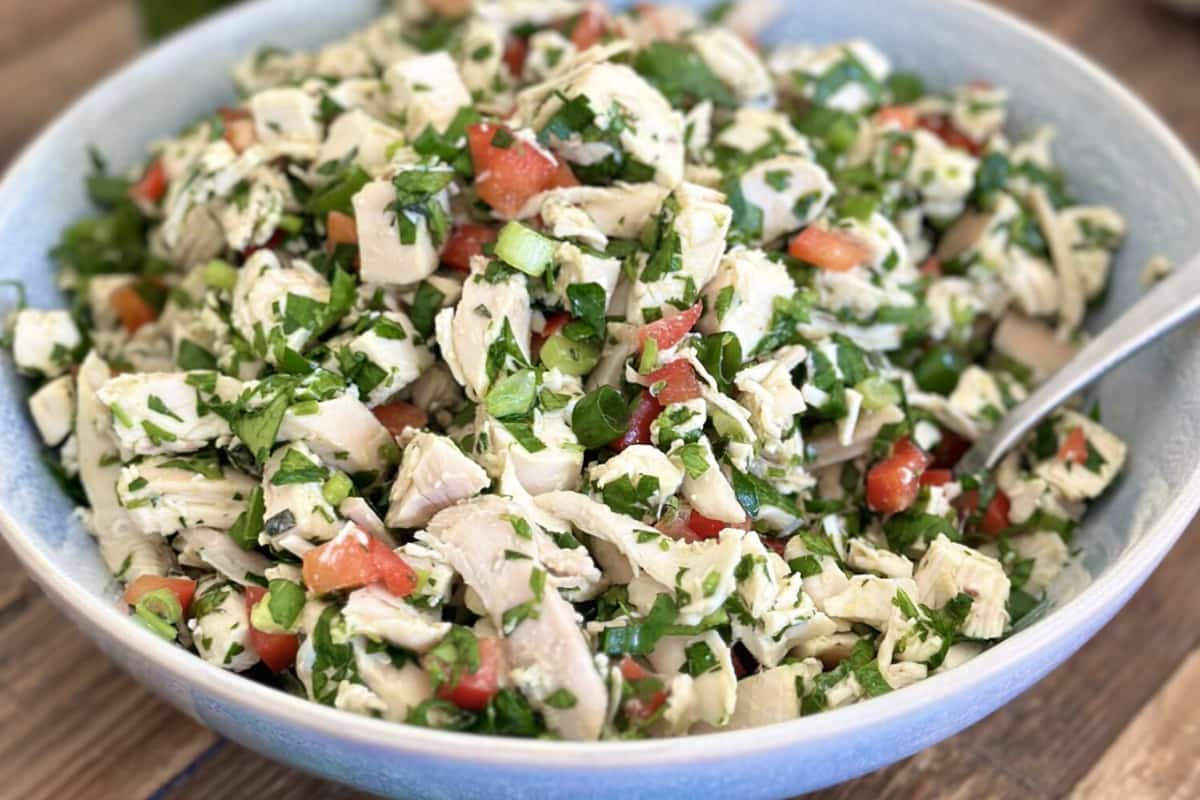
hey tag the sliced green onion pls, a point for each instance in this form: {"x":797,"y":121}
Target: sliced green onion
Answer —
{"x":159,"y":611}
{"x":599,"y":417}
{"x":939,"y":370}
{"x":649,"y":356}
{"x":524,"y":249}
{"x":726,"y":426}
{"x":842,"y":134}
{"x":512,"y":396}
{"x":219,"y":274}
{"x":290,"y":223}
{"x":261,"y":619}
{"x":337,"y":488}
{"x":877,"y":392}
{"x":570,"y":357}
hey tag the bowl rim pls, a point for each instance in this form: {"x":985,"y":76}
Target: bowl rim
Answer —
{"x":1084,"y":613}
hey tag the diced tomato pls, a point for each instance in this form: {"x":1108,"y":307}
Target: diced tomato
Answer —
{"x":679,"y":382}
{"x":931,"y":267}
{"x":995,"y":517}
{"x":949,"y":449}
{"x":739,"y":666}
{"x":554,"y":324}
{"x":669,"y":330}
{"x":344,"y":562}
{"x":239,"y":128}
{"x":632,"y":672}
{"x":893,"y":483}
{"x":948,"y":133}
{"x":277,"y":238}
{"x":132,"y":309}
{"x":936,"y":477}
{"x":589,"y":29}
{"x":340,"y":229}
{"x":831,"y":250}
{"x":676,"y":528}
{"x":645,"y":410}
{"x":779,"y":546}
{"x":514,"y":55}
{"x":182,"y":588}
{"x":353,"y":559}
{"x":465,"y":241}
{"x":506,"y":177}
{"x":151,"y":187}
{"x":276,"y":650}
{"x":563,"y":177}
{"x":449,"y":8}
{"x":707,"y":528}
{"x":394,"y":572}
{"x":1073,"y":449}
{"x":229,"y":115}
{"x":474,"y":690}
{"x":902,"y":116}
{"x":398,"y":415}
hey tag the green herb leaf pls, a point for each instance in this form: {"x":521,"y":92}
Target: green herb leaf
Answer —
{"x":427,"y":301}
{"x":640,"y":638}
{"x":681,"y":75}
{"x":192,"y":356}
{"x":296,"y":468}
{"x":249,"y":523}
{"x":588,"y":305}
{"x":258,"y":429}
{"x":599,"y":417}
{"x":285,"y":600}
{"x":700,"y":659}
{"x":512,"y":396}
{"x":907,"y":528}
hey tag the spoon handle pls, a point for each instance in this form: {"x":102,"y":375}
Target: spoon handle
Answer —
{"x":1175,"y":300}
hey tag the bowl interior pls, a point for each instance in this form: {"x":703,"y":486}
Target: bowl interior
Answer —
{"x":1111,"y":151}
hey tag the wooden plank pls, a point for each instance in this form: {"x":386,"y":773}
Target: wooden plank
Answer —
{"x":947,"y":772}
{"x":25,"y":27}
{"x":69,"y":718}
{"x":1155,"y":756}
{"x":1150,"y":48}
{"x":41,"y":75}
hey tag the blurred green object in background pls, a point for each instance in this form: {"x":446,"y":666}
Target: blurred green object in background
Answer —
{"x":162,"y":17}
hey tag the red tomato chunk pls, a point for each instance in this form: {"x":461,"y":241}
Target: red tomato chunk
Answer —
{"x":893,"y":483}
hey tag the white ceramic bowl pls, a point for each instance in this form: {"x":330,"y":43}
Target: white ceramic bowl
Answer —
{"x":1113,"y":150}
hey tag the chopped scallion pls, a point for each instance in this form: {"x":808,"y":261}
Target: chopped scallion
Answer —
{"x":524,"y":248}
{"x":570,"y":357}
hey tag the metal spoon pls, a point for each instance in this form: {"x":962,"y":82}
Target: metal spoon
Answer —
{"x":1175,"y":300}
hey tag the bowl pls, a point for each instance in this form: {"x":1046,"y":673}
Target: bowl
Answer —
{"x":1113,"y":149}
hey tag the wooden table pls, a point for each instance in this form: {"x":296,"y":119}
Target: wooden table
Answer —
{"x":1117,"y":720}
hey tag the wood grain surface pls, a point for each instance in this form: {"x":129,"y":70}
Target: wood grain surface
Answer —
{"x":1118,"y":720}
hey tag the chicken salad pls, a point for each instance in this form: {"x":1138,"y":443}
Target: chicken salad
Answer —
{"x":533,"y":369}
